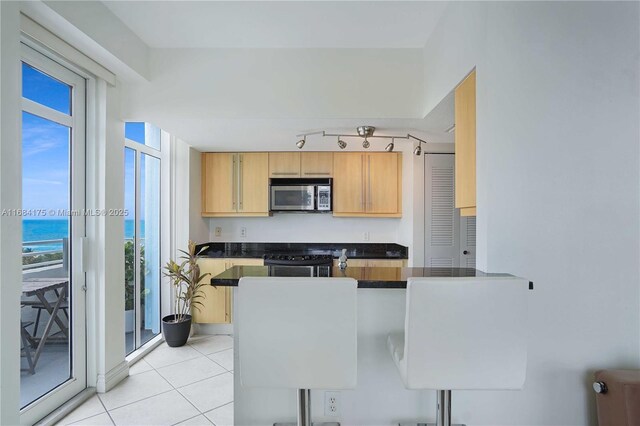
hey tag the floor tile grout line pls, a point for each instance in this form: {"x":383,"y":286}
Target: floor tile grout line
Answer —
{"x":139,"y":400}
{"x":215,"y":352}
{"x":222,"y":366}
{"x":202,"y":412}
{"x":223,"y":405}
{"x":84,"y":418}
{"x":106,"y":411}
{"x":197,"y":415}
{"x":218,"y":407}
{"x":202,"y":380}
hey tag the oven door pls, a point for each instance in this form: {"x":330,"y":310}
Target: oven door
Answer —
{"x":293,"y":198}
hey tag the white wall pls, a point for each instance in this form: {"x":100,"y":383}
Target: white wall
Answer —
{"x":558,"y":187}
{"x":10,"y":226}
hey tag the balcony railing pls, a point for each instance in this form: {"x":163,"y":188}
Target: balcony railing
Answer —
{"x":62,"y":243}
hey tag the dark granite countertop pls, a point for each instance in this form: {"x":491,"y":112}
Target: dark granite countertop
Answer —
{"x":258,"y":250}
{"x":368,"y":277}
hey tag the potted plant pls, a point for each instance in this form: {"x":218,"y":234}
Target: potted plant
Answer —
{"x":186,"y":282}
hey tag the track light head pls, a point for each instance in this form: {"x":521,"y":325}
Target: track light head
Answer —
{"x":342,"y":144}
{"x":301,"y":143}
{"x":390,"y":147}
{"x":418,"y":149}
{"x":366,"y":143}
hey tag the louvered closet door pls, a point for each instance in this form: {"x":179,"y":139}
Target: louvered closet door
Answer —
{"x":442,"y":220}
{"x":450,"y":240}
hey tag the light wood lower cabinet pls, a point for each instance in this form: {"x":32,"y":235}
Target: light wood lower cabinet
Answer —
{"x":386,"y":269}
{"x":367,"y":184}
{"x":216,"y":304}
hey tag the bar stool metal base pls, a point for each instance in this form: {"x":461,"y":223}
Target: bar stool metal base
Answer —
{"x":304,"y":412}
{"x":443,"y":411}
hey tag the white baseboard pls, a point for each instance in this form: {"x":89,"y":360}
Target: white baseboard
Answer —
{"x":114,"y":376}
{"x":213,"y":328}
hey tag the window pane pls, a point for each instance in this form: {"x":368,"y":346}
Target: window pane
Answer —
{"x":129,"y":248}
{"x":150,"y":247}
{"x":45,"y":90}
{"x":144,"y":133}
{"x":45,"y":356}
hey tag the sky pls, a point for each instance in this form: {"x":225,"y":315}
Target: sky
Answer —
{"x":46,"y":148}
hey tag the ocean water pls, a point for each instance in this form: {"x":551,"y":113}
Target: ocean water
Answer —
{"x":55,"y":229}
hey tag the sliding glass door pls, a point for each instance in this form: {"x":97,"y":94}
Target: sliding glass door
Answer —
{"x":142,"y":234}
{"x":53,"y":324}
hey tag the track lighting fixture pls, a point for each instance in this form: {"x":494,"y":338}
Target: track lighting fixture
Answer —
{"x":390,"y":147}
{"x":364,"y":132}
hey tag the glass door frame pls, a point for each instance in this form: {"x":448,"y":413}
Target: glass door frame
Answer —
{"x":139,"y":149}
{"x":77,"y":123}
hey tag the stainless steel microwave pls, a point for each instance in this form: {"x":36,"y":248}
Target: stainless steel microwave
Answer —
{"x":301,"y":195}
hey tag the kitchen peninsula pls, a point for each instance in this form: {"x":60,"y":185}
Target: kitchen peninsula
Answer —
{"x":380,"y":397}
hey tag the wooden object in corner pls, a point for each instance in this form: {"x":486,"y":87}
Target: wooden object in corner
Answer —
{"x":465,"y":146}
{"x":216,"y":305}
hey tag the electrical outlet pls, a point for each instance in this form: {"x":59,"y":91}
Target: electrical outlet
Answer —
{"x":365,"y":236}
{"x":218,"y":231}
{"x":243,"y":232}
{"x":332,"y":404}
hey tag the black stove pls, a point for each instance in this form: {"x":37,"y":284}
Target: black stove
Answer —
{"x":298,"y":260}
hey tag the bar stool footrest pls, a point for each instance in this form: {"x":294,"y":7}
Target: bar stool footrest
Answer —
{"x":427,"y":424}
{"x":312,"y":423}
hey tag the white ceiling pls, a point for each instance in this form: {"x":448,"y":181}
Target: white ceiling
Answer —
{"x":287,"y":24}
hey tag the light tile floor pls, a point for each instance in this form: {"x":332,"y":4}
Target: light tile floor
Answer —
{"x":191,"y":385}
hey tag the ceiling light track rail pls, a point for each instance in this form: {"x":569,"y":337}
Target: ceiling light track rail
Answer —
{"x":364,"y":132}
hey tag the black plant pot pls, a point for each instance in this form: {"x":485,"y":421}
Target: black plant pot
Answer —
{"x":176,"y":333}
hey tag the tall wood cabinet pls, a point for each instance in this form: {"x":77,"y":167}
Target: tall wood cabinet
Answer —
{"x":235,"y":184}
{"x":216,"y":304}
{"x":367,"y":184}
{"x":465,"y":146}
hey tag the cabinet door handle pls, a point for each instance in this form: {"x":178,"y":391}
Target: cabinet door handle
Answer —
{"x":362,"y":195}
{"x":233,"y":182}
{"x":370,"y":196}
{"x":284,"y":173}
{"x":317,"y":173}
{"x":240,"y":183}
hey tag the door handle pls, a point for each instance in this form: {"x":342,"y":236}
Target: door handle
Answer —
{"x":465,"y":252}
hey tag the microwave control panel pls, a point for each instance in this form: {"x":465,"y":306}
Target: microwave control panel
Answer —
{"x":324,"y":197}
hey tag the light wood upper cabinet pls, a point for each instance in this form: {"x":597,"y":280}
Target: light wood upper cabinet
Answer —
{"x":216,"y":305}
{"x":316,"y":164}
{"x":254,"y":183}
{"x":465,"y":146}
{"x":348,"y":183}
{"x":383,"y":195}
{"x":284,"y":164}
{"x":367,"y":184}
{"x":300,"y":164}
{"x":218,"y":183}
{"x":235,"y":184}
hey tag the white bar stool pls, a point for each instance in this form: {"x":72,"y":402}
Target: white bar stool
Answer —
{"x":462,"y":334}
{"x":298,"y":333}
